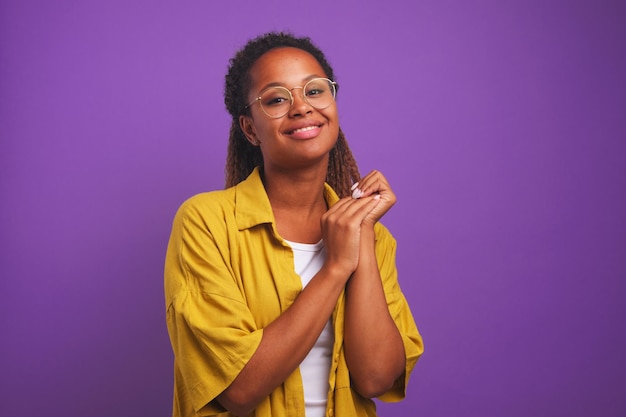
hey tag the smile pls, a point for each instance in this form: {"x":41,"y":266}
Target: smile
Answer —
{"x":304,"y":129}
{"x":305,"y":132}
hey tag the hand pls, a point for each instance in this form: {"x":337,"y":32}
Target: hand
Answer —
{"x":341,"y":231}
{"x":375,"y":183}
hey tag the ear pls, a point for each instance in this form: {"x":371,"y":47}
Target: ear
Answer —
{"x":247,"y":127}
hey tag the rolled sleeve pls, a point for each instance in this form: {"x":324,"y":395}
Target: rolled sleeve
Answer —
{"x":212,"y":341}
{"x":399,"y":310}
{"x":212,"y":331}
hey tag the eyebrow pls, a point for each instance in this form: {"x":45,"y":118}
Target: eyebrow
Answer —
{"x":279,"y":84}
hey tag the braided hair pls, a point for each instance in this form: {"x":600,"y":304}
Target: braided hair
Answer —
{"x":242,"y":156}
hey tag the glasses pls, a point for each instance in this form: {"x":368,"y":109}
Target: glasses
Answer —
{"x":277,"y":101}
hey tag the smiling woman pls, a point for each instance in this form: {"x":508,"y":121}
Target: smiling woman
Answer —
{"x":281,"y":291}
{"x":310,"y":131}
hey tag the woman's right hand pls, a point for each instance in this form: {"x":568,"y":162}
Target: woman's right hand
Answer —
{"x":341,"y":231}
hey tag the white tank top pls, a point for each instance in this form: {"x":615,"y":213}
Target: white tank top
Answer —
{"x":308,"y":260}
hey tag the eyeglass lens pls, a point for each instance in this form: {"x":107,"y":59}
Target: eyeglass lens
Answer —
{"x":276,"y":101}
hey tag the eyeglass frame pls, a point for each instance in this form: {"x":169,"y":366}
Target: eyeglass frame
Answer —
{"x":332,"y":83}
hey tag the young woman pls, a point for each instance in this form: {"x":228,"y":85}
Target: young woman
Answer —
{"x":281,"y":290}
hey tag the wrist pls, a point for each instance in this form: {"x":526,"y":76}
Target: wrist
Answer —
{"x":367,"y":230}
{"x":337,"y":271}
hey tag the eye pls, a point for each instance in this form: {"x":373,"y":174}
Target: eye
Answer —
{"x":315,"y":92}
{"x":317,"y":88}
{"x":275,"y":97}
{"x":273,"y":101}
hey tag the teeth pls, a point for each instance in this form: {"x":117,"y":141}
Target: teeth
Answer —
{"x":304,"y":129}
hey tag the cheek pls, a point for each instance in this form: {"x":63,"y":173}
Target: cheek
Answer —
{"x":331,"y":114}
{"x":265,"y":127}
{"x":333,"y":119}
{"x":334,"y":129}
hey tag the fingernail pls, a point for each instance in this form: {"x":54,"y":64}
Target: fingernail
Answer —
{"x":357,"y":193}
{"x":356,"y":184}
{"x":377,"y":197}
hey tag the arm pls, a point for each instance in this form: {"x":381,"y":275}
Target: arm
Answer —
{"x":373,"y":345}
{"x":289,"y":338}
{"x":285,"y":343}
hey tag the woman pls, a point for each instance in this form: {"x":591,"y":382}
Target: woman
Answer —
{"x":282,"y":298}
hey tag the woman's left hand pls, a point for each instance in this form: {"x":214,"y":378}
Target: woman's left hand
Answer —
{"x":375,"y":183}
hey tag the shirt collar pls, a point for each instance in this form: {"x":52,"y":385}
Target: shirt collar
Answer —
{"x":252,"y":206}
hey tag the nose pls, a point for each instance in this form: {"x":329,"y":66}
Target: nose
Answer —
{"x":300,"y":106}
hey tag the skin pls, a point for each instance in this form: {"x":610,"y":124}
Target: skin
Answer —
{"x":295,"y":164}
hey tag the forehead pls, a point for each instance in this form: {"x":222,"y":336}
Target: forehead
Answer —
{"x":288,"y":66}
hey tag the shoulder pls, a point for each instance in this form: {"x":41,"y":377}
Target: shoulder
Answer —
{"x":208,"y":202}
{"x":240,"y":207}
{"x":205,"y":211}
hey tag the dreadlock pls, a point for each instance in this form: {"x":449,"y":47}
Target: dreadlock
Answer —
{"x":242,"y":156}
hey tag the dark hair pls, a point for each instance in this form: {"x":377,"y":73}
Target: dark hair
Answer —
{"x":242,"y":156}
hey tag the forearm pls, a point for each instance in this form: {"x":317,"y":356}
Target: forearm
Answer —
{"x":373,"y":345}
{"x":285,"y":343}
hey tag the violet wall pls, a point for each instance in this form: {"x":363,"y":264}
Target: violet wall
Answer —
{"x":501,"y":126}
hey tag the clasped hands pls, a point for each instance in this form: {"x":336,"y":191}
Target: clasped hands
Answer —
{"x":352,"y":218}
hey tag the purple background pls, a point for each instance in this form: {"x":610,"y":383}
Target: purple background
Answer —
{"x":501,"y":126}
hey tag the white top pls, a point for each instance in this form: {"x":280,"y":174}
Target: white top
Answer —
{"x":308,"y":260}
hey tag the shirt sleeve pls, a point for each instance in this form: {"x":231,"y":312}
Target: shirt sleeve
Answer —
{"x":211,"y":329}
{"x":399,"y":310}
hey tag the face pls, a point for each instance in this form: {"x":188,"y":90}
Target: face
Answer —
{"x":305,"y":135}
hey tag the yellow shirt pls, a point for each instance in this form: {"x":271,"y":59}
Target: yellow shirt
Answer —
{"x":228,"y":274}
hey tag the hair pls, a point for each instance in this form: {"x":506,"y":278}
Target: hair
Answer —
{"x":242,"y":156}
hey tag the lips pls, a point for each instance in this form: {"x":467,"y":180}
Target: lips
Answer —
{"x":307,"y":131}
{"x":303,"y":129}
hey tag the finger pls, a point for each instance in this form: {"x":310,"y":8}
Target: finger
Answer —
{"x":372,"y":186}
{"x":374,"y":182}
{"x":350,"y":211}
{"x":357,"y":209}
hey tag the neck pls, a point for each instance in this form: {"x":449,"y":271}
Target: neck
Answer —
{"x":295,"y":190}
{"x":297,"y":199}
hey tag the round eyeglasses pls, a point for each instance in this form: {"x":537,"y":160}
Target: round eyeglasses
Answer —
{"x":277,"y":101}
